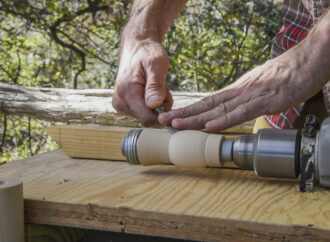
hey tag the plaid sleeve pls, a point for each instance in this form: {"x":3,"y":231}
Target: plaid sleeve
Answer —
{"x":297,"y":21}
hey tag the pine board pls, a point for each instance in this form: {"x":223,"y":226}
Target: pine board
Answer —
{"x":96,"y":142}
{"x":203,"y":204}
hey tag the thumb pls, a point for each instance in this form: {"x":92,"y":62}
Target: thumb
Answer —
{"x":155,"y":91}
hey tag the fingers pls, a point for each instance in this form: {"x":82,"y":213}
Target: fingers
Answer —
{"x":120,"y":106}
{"x":202,"y":106}
{"x":240,"y":114}
{"x":168,"y":100}
{"x":138,"y":108}
{"x":199,"y":121}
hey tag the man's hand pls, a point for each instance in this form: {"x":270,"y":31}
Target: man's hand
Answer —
{"x":141,"y":82}
{"x":267,"y":89}
{"x":271,"y":88}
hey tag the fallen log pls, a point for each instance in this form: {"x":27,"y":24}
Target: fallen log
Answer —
{"x":88,"y":106}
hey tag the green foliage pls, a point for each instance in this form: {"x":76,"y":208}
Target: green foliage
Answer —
{"x":24,"y":137}
{"x":212,"y":43}
{"x":75,"y":44}
{"x":50,"y":41}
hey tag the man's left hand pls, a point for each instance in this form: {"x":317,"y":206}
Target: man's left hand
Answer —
{"x":270,"y":88}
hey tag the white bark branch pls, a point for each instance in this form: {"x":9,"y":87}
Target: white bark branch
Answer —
{"x":76,"y":106}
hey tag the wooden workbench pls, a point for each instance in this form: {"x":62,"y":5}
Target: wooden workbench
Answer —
{"x":201,"y":204}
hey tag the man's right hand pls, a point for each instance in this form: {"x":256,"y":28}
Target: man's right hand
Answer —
{"x":140,"y":84}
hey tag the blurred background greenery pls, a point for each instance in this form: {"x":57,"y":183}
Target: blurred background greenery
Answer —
{"x":75,"y":44}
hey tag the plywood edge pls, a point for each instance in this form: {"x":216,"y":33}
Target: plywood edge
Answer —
{"x":128,"y":220}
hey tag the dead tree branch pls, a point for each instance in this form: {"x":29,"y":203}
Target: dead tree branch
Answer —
{"x":77,"y":106}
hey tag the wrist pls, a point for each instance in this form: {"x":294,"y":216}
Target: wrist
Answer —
{"x":144,"y":23}
{"x":132,"y":34}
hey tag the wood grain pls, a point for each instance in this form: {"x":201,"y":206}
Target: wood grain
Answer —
{"x":95,"y":142}
{"x":204,"y":204}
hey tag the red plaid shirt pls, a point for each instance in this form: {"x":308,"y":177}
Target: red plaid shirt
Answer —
{"x":297,"y":21}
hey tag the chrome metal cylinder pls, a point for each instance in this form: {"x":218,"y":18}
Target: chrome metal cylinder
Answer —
{"x":226,"y":149}
{"x":322,"y":154}
{"x":243,"y":151}
{"x":276,"y":153}
{"x":129,"y":146}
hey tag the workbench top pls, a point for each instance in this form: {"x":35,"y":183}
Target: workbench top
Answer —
{"x":203,"y":204}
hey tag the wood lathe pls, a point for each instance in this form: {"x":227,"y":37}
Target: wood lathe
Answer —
{"x":270,"y":153}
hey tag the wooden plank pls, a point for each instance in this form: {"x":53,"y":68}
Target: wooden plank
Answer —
{"x":204,"y":204}
{"x":95,"y":142}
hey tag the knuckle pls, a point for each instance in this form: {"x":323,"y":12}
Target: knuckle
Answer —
{"x":160,"y":57}
{"x":226,"y":118}
{"x":183,"y":112}
{"x":208,"y":102}
{"x":121,"y":89}
{"x":242,"y":110}
{"x":155,"y":84}
{"x":146,"y":122}
{"x":157,"y":58}
{"x":116,"y":103}
{"x":221,"y":108}
{"x":199,"y":120}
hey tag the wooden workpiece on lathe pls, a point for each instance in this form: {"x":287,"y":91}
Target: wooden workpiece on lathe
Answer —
{"x":188,"y":148}
{"x":153,"y":147}
{"x":191,"y":148}
{"x":104,"y":142}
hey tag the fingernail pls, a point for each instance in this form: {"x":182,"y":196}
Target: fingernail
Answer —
{"x":167,"y":115}
{"x":177,"y":121}
{"x":153,"y":98}
{"x":210,"y":124}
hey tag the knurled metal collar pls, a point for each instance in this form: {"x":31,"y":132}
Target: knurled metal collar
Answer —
{"x":129,"y":146}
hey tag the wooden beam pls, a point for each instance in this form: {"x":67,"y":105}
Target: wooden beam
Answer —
{"x":94,"y":142}
{"x":88,"y":106}
{"x":201,"y":204}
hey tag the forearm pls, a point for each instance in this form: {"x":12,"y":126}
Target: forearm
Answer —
{"x":151,"y":19}
{"x":312,"y":56}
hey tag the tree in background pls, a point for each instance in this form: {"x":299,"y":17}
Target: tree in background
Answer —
{"x":75,"y":44}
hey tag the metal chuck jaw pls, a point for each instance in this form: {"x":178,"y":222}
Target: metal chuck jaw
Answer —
{"x":315,"y":154}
